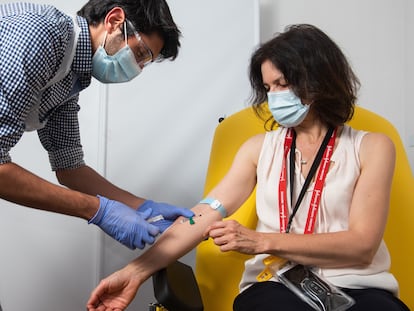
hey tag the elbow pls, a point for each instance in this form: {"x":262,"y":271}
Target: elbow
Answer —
{"x":61,"y":178}
{"x":365,"y":259}
{"x":364,"y":246}
{"x":365,"y":255}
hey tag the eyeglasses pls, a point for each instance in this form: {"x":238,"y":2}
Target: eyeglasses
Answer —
{"x":143,"y":54}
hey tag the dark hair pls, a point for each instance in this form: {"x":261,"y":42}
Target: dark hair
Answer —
{"x":147,"y":16}
{"x":315,"y":69}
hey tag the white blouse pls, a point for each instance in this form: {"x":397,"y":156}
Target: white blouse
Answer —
{"x":333,"y":213}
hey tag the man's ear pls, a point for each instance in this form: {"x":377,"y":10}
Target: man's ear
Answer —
{"x":114,"y":19}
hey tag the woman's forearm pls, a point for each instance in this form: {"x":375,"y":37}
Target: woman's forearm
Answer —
{"x":178,"y":240}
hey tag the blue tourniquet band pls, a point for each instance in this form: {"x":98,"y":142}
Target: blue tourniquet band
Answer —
{"x":216,"y":205}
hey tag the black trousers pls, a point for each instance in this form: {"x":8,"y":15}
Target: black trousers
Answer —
{"x":266,"y":296}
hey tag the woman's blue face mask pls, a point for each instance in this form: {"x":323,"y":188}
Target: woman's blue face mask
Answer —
{"x":287,"y":108}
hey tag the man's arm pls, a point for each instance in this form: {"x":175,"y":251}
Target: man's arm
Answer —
{"x":87,"y":180}
{"x":118,"y":220}
{"x":23,"y":187}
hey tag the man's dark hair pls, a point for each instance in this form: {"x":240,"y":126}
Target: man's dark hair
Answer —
{"x":147,"y":16}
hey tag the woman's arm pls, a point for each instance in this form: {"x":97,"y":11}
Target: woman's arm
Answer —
{"x":354,"y":247}
{"x":117,"y":291}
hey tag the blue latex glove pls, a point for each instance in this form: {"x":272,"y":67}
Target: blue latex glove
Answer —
{"x":169,"y":213}
{"x":124,"y":224}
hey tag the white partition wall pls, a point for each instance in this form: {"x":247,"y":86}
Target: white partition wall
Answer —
{"x":160,"y":126}
{"x":408,"y":52}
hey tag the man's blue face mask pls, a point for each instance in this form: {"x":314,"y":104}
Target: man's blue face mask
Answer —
{"x":117,"y":68}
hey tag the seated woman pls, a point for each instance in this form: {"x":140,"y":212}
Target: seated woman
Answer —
{"x":323,"y":189}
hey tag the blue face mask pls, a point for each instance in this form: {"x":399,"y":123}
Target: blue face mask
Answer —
{"x":117,"y":68}
{"x":287,"y":108}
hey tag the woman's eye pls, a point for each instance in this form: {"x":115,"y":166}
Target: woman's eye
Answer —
{"x":283,"y":84}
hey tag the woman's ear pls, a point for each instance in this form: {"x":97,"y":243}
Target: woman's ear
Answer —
{"x":114,"y":19}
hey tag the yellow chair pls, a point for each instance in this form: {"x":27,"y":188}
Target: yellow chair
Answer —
{"x":218,"y":274}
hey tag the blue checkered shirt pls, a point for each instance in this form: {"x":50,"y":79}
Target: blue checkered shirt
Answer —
{"x":33,"y":39}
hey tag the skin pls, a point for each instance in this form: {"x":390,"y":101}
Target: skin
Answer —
{"x":115,"y":39}
{"x":79,"y":199}
{"x":352,"y":248}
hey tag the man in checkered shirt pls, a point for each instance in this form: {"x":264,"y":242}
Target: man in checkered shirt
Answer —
{"x":47,"y":58}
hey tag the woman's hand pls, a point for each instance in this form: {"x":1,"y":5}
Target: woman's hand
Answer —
{"x":232,"y":236}
{"x":114,"y":293}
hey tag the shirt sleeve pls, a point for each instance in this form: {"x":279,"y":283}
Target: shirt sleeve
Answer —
{"x":61,"y":136}
{"x":11,"y":129}
{"x":30,"y":46}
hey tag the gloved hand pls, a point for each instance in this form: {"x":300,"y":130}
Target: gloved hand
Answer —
{"x":169,"y":213}
{"x":124,"y":224}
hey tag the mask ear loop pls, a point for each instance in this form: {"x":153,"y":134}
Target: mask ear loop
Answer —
{"x":125,"y":31}
{"x":125,"y":35}
{"x":104,"y":39}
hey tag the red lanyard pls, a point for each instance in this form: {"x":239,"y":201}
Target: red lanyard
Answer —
{"x":329,"y":143}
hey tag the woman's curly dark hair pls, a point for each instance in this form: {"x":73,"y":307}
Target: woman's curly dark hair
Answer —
{"x":314,"y":67}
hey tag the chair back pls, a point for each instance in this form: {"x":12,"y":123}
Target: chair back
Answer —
{"x":218,"y":274}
